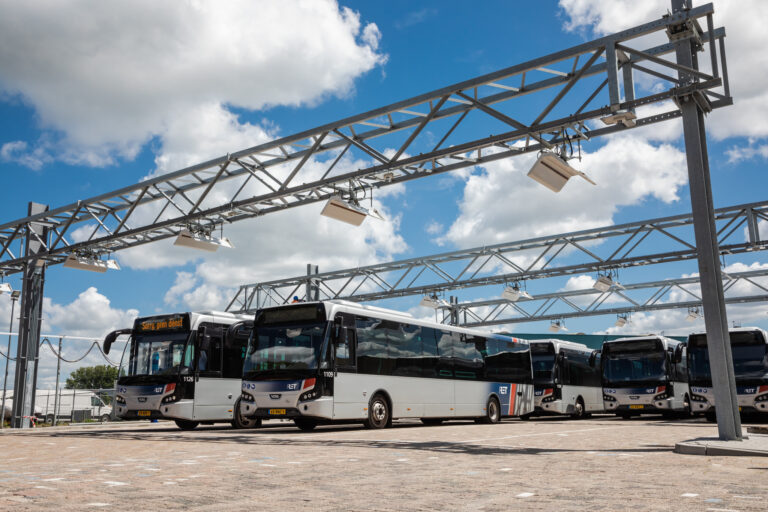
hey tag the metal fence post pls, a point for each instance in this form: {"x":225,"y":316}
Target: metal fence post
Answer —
{"x":56,"y":395}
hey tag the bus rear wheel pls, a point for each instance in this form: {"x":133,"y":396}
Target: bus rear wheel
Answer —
{"x":305,"y":424}
{"x":492,"y":411}
{"x":186,"y":424}
{"x":378,"y":412}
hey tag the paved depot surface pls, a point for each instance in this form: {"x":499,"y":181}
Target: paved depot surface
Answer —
{"x":603,"y":463}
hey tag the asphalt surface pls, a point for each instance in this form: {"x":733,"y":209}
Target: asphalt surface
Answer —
{"x":603,"y":463}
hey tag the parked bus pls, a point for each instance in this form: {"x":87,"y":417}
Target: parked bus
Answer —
{"x":749,"y":347}
{"x":566,"y":378}
{"x":330,"y":361}
{"x":644,"y":375}
{"x":182,"y":367}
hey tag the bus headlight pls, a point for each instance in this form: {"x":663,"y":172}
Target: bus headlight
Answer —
{"x":309,"y":395}
{"x":247,"y":397}
{"x":761,"y":398}
{"x":699,"y":398}
{"x":119,"y":399}
{"x":171,"y":398}
{"x":662,"y":396}
{"x":608,"y":398}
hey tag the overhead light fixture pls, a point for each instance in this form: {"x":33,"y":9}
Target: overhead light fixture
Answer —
{"x":514,"y":293}
{"x":625,"y":117}
{"x":621,"y":321}
{"x":5,"y":288}
{"x":201,"y":240}
{"x":553,"y":172}
{"x":693,"y":315}
{"x":556,"y":326}
{"x":603,"y":283}
{"x":430,"y":301}
{"x":339,"y":209}
{"x":90,"y":263}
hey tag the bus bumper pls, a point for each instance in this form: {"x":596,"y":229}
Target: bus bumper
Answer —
{"x":183,"y":409}
{"x":320,"y":408}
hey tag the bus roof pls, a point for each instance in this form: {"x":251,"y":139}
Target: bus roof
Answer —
{"x":558,"y":344}
{"x":668,"y":342}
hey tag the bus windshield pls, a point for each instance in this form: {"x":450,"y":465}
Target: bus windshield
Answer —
{"x":543,"y":360}
{"x":287,"y":347}
{"x":158,"y":354}
{"x":750,"y":357}
{"x":639,"y":366}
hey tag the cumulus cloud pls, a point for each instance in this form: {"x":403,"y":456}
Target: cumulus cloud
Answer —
{"x":106,"y":79}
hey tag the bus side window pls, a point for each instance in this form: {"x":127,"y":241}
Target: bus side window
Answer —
{"x":344,"y":343}
{"x":211,"y":344}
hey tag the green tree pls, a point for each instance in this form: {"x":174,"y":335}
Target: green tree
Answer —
{"x":92,"y":377}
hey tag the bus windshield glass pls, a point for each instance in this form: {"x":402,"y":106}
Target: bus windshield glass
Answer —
{"x":276,"y":348}
{"x":543,"y":355}
{"x":636,"y":363}
{"x":158,"y":354}
{"x":750,"y":357}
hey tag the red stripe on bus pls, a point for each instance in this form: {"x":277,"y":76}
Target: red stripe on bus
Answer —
{"x":512,"y":395}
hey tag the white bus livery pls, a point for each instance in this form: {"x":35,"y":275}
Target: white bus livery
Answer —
{"x":331,"y":361}
{"x":182,"y":367}
{"x":643,"y":375}
{"x":566,"y":377}
{"x":749,"y":347}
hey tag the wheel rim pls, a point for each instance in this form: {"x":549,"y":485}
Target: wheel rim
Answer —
{"x":579,"y":409}
{"x":493,"y":411}
{"x":379,"y":411}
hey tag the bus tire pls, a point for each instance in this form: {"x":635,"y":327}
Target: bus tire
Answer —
{"x":186,"y":424}
{"x":526,"y":417}
{"x":104,"y":418}
{"x":431,"y":421}
{"x":578,"y":409}
{"x":378,"y":412}
{"x":711,"y":417}
{"x":687,"y":412}
{"x":239,"y":421}
{"x":305,"y":424}
{"x":492,"y":411}
{"x":624,"y":416}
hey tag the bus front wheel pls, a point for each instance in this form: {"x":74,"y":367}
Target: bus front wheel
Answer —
{"x":578,"y":409}
{"x":378,"y":412}
{"x":186,"y":424}
{"x":239,"y":421}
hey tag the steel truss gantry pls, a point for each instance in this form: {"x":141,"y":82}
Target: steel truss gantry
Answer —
{"x":393,"y":142}
{"x":619,"y":300}
{"x":594,"y":250}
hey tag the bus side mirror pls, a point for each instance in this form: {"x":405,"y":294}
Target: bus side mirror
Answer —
{"x":111,"y":337}
{"x":341,"y":336}
{"x":233,"y":329}
{"x":593,"y":358}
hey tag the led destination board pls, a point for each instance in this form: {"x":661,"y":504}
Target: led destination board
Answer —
{"x":162,"y":323}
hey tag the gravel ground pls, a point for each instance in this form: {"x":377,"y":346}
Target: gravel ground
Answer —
{"x":602,"y":463}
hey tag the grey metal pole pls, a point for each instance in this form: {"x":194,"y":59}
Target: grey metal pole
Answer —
{"x":715,"y":319}
{"x":14,"y":298}
{"x":56,"y":396}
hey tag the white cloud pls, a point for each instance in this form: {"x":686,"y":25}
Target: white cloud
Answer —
{"x":90,"y":314}
{"x":434,"y":228}
{"x":740,"y":153}
{"x":746,"y":67}
{"x":503,"y":204}
{"x":111,"y":77}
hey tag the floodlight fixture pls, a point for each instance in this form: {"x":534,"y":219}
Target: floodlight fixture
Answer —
{"x":603,"y":283}
{"x":201,"y":240}
{"x":6,"y":288}
{"x":552,"y":171}
{"x":345,"y":211}
{"x":92,"y":263}
{"x":514,"y":293}
{"x":693,"y":314}
{"x":557,"y":325}
{"x":430,"y":301}
{"x":625,"y":117}
{"x":621,"y":321}
{"x":15,"y":294}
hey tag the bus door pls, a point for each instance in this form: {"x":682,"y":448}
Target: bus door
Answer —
{"x":214,"y":396}
{"x":350,"y":395}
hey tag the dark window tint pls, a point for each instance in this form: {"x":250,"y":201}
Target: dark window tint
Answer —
{"x":431,"y":354}
{"x":468,"y":355}
{"x":210,"y":344}
{"x":576,"y":370}
{"x":235,"y":347}
{"x":372,"y":349}
{"x":445,"y":354}
{"x":405,"y":348}
{"x":508,"y":362}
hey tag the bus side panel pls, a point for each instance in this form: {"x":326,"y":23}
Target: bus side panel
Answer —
{"x":472,"y":397}
{"x":438,"y":397}
{"x":408,"y":394}
{"x":351,"y":393}
{"x":215,"y":398}
{"x":522,"y":400}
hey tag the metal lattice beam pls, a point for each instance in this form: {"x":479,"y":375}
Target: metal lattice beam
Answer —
{"x":274,"y":176}
{"x":626,"y":299}
{"x":612,"y":247}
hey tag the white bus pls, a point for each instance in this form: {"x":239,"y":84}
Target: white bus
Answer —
{"x":331,"y":361}
{"x":749,"y":347}
{"x":182,"y":367}
{"x":645,"y":375}
{"x":566,"y":377}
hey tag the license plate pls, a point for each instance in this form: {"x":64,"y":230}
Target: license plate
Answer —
{"x":277,"y":411}
{"x":635,"y":406}
{"x":144,"y":413}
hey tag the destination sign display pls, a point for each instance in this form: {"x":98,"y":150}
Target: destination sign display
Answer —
{"x":290,"y":314}
{"x":162,"y":323}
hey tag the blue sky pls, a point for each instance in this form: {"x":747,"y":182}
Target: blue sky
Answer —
{"x":85,"y":109}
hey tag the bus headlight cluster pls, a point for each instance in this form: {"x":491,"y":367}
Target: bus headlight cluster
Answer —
{"x":170,"y":398}
{"x":309,"y":395}
{"x":247,"y":397}
{"x":661,"y":396}
{"x":550,"y":398}
{"x":699,"y":398}
{"x":608,"y":398}
{"x":761,"y":398}
{"x":119,"y":399}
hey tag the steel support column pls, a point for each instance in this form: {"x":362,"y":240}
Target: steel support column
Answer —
{"x":715,"y":320}
{"x":29,"y":323}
